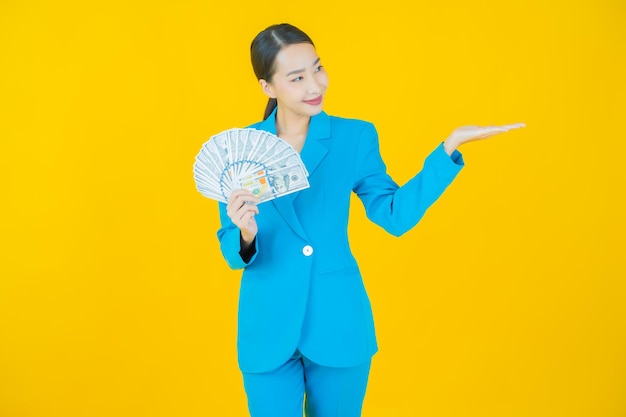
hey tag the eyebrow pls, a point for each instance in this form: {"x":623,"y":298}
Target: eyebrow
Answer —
{"x":301,"y":70}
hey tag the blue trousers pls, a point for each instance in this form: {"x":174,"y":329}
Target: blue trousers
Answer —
{"x":301,"y":384}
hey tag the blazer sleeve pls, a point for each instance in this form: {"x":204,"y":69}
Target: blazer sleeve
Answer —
{"x":229,"y":237}
{"x":398,"y":209}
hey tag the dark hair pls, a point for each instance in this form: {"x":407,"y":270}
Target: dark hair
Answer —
{"x":266,"y":45}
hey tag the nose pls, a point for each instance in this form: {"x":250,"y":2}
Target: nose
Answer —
{"x":313,"y":87}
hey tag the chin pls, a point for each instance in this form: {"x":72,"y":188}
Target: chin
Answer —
{"x":314,"y":111}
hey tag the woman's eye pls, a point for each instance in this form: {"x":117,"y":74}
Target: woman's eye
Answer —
{"x":297,"y":79}
{"x":319,"y":68}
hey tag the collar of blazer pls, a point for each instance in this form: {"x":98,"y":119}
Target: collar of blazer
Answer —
{"x":315,"y":147}
{"x":313,"y":152}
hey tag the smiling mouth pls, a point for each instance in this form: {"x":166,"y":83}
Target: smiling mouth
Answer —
{"x":315,"y":101}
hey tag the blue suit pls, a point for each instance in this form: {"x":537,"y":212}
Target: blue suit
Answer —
{"x":302,"y":288}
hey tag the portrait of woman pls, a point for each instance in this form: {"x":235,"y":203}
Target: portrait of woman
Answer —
{"x":306,"y":333}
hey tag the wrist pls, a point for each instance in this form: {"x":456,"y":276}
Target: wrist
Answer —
{"x":450,"y":145}
{"x":246,"y":238}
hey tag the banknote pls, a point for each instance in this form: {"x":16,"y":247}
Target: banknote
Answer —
{"x":248,"y":158}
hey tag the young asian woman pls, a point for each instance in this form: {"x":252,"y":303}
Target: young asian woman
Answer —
{"x":306,"y":332}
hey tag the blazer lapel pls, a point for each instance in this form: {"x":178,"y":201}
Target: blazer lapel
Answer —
{"x":315,"y":147}
{"x":284,"y":205}
{"x":313,"y":152}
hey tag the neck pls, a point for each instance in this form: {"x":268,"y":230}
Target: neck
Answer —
{"x":292,"y":128}
{"x":291,"y":124}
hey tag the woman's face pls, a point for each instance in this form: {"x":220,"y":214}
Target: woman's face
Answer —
{"x":300,"y":81}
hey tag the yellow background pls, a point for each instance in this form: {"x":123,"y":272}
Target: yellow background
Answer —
{"x":508,"y":299}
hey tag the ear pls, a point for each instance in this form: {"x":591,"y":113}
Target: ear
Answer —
{"x":267,"y":88}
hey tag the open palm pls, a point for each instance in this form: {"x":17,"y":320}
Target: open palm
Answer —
{"x":466,"y":134}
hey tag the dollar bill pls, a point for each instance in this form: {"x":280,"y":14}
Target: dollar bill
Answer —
{"x":252,"y":159}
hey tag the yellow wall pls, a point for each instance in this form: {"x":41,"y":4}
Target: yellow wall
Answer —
{"x":114,"y":298}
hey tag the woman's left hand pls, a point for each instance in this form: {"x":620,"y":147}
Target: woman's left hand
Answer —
{"x":466,"y":134}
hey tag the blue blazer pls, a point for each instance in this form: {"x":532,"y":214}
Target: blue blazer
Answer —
{"x":302,"y":287}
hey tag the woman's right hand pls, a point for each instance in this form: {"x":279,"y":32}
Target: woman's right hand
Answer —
{"x":241,"y":208}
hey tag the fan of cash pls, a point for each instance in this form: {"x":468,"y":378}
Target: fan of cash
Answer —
{"x":248,"y":158}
